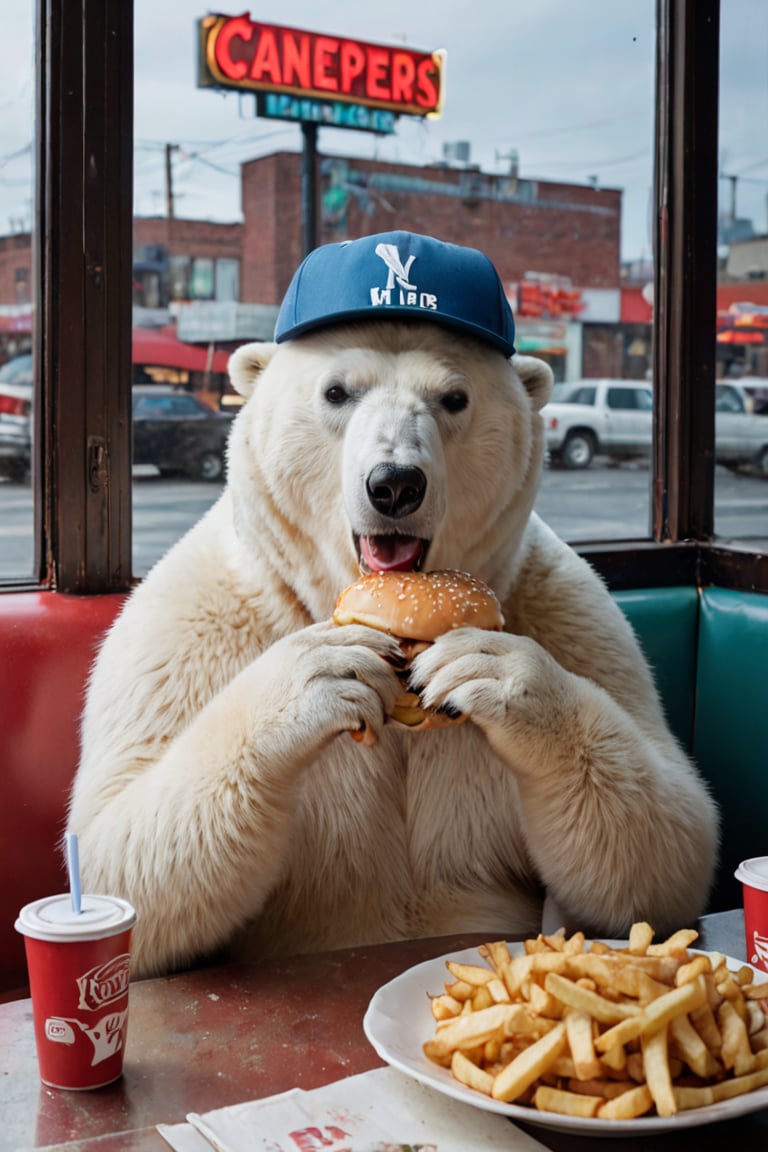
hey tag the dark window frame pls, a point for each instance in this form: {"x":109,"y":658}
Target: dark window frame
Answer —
{"x":83,"y":294}
{"x":83,"y":264}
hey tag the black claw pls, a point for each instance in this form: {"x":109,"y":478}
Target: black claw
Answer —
{"x":449,"y":711}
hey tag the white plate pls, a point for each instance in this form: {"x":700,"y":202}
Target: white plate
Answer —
{"x":399,"y":1019}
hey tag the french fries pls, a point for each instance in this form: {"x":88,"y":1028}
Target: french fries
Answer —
{"x":594,"y":1031}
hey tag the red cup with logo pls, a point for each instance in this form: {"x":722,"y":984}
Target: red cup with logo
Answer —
{"x":753,"y":875}
{"x":78,"y":976}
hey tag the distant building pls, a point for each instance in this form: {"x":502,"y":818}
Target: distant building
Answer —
{"x":746,"y":260}
{"x":561,"y":230}
{"x":177,"y":260}
{"x":556,"y":246}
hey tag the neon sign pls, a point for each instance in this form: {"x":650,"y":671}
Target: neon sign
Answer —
{"x":237,"y":52}
{"x":328,"y":113}
{"x":540,"y":294}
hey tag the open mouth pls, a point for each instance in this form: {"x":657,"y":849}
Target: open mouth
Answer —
{"x":391,"y":553}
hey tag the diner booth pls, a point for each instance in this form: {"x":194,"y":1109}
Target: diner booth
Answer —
{"x":699,"y":606}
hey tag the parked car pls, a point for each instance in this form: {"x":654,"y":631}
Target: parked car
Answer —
{"x":16,"y":417}
{"x":741,"y":428}
{"x":613,"y":418}
{"x":755,"y":389}
{"x":585,"y":418}
{"x":178,"y":434}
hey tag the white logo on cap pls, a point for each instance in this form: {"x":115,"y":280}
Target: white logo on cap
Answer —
{"x":407,"y":293}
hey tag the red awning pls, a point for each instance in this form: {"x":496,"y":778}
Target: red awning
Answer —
{"x":754,"y":291}
{"x":635,"y":309}
{"x":20,"y":323}
{"x":740,"y":336}
{"x":159,"y":347}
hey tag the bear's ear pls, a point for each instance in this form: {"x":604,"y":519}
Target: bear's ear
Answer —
{"x":246,"y":363}
{"x":536,"y":376}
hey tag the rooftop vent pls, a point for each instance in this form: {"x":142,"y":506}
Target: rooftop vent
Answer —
{"x":456,"y":152}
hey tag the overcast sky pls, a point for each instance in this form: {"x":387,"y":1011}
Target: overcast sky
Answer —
{"x":566,"y":84}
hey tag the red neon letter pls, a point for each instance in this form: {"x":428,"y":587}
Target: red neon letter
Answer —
{"x":376,"y":77}
{"x":296,"y":68}
{"x":427,"y":91}
{"x":266,"y":62}
{"x":325,"y":50}
{"x":238,"y":27}
{"x":352,"y":65}
{"x":403,"y":75}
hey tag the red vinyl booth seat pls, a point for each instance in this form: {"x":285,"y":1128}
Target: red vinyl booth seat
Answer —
{"x":47,"y":643}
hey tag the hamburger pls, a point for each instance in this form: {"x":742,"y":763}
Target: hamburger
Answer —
{"x":417,"y":608}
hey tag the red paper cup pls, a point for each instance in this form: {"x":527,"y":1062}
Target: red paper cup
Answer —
{"x":753,"y":875}
{"x":78,"y":976}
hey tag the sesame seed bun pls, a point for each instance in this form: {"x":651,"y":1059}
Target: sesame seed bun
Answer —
{"x":417,"y":607}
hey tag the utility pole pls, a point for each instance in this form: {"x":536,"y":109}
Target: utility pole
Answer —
{"x":309,"y":234}
{"x":169,"y":150}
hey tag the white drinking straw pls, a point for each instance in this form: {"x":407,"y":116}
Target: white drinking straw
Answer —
{"x":73,"y":867}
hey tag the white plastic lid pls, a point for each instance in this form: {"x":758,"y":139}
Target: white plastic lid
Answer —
{"x":53,"y":918}
{"x":754,"y":872}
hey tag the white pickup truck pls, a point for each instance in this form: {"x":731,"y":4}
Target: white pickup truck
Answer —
{"x":613,"y":418}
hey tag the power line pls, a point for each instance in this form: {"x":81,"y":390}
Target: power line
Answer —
{"x":593,"y":163}
{"x":10,"y":156}
{"x":743,"y":179}
{"x":755,"y":164}
{"x":210,"y":164}
{"x":583,"y":127}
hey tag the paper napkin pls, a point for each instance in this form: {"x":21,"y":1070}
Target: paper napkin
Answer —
{"x":379,"y":1111}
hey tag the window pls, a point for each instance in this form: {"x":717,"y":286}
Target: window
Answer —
{"x":180,"y":269}
{"x":623,"y":398}
{"x":227,"y":279}
{"x":629,"y":399}
{"x":161,"y":407}
{"x":23,"y":288}
{"x":17,"y":288}
{"x":185,"y":406}
{"x":202,"y":279}
{"x":741,"y":442}
{"x":76,"y":534}
{"x":728,"y":399}
{"x":583,"y":395}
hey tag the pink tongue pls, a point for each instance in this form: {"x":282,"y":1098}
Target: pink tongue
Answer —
{"x":390,"y":553}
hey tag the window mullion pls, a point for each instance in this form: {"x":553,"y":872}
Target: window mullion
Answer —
{"x":86,"y":207}
{"x":685,"y":288}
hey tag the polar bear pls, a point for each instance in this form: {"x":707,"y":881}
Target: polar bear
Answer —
{"x":219,"y":789}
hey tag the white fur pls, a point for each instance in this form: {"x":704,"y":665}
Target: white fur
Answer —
{"x":219,"y":788}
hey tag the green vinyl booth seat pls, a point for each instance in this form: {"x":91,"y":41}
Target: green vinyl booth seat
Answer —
{"x":709,"y":651}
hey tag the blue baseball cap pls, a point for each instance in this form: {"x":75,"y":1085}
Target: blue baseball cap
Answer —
{"x":399,"y":275}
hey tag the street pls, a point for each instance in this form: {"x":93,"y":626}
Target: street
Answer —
{"x":607,"y":502}
{"x":599,"y":503}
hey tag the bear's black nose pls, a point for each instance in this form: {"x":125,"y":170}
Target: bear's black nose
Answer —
{"x":396,"y":491}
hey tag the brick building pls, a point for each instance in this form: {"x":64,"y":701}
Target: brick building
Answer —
{"x":550,"y":241}
{"x":16,"y":293}
{"x":16,"y":270}
{"x":563,"y":230}
{"x":549,"y":238}
{"x":175,"y":260}
{"x":537,"y":233}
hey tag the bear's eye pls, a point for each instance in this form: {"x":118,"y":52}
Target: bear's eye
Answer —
{"x":336,"y":393}
{"x":455,"y":401}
